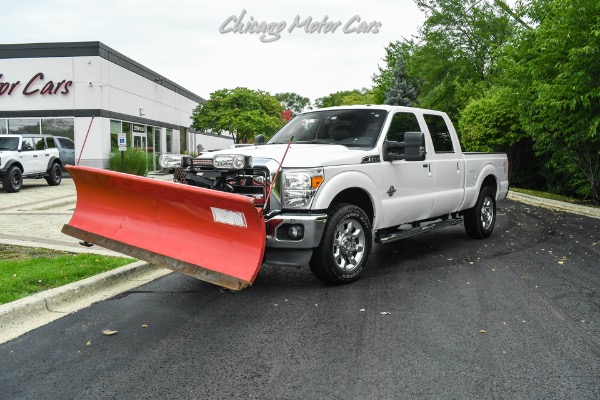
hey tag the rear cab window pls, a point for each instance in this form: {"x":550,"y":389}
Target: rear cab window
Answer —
{"x":440,"y":133}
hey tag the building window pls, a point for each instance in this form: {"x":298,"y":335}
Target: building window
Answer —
{"x":2,"y":126}
{"x":169,"y":141}
{"x":115,"y":129}
{"x":64,"y":127}
{"x":19,"y":126}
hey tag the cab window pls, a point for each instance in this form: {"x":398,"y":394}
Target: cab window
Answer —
{"x":402,"y":122}
{"x":440,"y":134}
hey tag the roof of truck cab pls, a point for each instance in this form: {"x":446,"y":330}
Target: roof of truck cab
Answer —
{"x":376,"y":107}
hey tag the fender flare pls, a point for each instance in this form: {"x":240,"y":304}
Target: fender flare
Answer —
{"x":11,"y":163}
{"x":349,"y":180}
{"x":52,"y":160}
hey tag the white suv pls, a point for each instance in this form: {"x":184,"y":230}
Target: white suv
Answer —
{"x":28,"y":156}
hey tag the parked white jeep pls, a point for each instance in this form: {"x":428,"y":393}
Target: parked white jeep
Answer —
{"x":28,"y":156}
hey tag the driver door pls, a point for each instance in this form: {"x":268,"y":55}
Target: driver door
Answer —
{"x":407,"y":193}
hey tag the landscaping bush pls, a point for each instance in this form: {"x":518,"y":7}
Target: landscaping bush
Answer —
{"x":132,"y":162}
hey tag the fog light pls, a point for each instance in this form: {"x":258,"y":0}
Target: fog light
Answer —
{"x":296,"y":232}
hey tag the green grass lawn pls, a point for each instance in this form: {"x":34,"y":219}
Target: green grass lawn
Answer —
{"x":552,"y":196}
{"x":27,"y":270}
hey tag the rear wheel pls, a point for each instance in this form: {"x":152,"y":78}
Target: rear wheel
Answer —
{"x":54,"y":175}
{"x":12,"y":180}
{"x":342,"y":255}
{"x":480,"y":220}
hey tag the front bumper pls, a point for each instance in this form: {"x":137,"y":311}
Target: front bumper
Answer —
{"x":282,"y":249}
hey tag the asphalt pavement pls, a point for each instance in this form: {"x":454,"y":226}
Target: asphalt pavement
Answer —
{"x":35,"y":216}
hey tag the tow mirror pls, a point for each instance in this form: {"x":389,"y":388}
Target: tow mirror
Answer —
{"x":259,"y":139}
{"x":413,"y":145}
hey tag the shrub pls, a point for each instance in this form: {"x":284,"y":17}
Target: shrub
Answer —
{"x":133,"y":162}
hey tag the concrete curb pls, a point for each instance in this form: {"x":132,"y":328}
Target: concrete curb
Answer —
{"x":24,"y":315}
{"x":555,"y":204}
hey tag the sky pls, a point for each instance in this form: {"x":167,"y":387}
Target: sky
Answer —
{"x":194,"y":43}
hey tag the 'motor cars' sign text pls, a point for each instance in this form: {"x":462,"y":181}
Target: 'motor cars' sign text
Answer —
{"x":29,"y":88}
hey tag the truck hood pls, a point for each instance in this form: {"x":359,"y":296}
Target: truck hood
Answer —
{"x":304,"y":155}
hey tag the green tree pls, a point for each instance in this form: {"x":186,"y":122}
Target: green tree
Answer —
{"x":492,"y":123}
{"x":346,"y":98}
{"x":456,"y":52}
{"x":243,"y":112}
{"x":403,"y":90}
{"x":556,"y":74}
{"x":293,"y":101}
{"x":385,"y":79}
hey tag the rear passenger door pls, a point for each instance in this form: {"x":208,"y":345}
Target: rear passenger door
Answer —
{"x":40,"y":155}
{"x":447,"y":164}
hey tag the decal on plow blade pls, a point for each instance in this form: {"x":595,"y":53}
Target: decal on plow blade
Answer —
{"x":213,"y":236}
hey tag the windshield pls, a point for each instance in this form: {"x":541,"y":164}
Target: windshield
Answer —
{"x":9,"y":143}
{"x":350,"y":127}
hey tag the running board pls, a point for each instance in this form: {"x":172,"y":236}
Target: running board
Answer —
{"x":401,"y":234}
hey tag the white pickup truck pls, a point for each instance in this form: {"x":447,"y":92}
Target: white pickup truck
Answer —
{"x":354,"y":175}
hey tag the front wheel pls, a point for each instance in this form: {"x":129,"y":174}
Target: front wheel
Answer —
{"x":345,"y":247}
{"x":12,"y":180}
{"x":54,"y":175}
{"x":480,"y":220}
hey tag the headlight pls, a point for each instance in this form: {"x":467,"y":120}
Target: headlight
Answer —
{"x":299,"y":187}
{"x":226,"y":161}
{"x":170,"y":160}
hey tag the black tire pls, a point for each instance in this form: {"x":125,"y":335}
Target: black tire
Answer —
{"x":12,"y":181}
{"x":481,"y":219}
{"x":54,"y":177}
{"x":345,"y":247}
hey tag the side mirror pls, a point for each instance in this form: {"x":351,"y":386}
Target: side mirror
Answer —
{"x":186,"y":161}
{"x":259,"y":139}
{"x":413,"y":145}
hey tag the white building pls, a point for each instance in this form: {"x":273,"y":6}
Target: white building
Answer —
{"x":92,"y":93}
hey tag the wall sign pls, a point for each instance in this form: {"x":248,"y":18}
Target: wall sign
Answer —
{"x":139,"y":128}
{"x":27,"y":89}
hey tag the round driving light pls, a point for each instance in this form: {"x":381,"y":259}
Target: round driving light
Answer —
{"x":238,"y":162}
{"x":296,"y":231}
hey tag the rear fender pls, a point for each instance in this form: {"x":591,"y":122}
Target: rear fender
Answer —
{"x":472,"y":192}
{"x":52,"y":160}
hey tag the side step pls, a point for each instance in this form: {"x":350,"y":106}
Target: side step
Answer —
{"x":401,"y":234}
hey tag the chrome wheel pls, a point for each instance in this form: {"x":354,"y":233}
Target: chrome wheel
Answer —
{"x":487,"y":213}
{"x":348,"y":245}
{"x":345,"y":246}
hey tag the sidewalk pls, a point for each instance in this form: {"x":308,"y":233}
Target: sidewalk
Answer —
{"x":35,"y":216}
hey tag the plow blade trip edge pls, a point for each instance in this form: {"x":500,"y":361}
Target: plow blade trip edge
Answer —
{"x":210,"y":235}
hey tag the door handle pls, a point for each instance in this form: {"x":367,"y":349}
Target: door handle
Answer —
{"x":425,"y":165}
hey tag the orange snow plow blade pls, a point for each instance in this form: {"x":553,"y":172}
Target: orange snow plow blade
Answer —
{"x":213,"y":236}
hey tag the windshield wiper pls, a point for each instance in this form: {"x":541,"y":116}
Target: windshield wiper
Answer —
{"x":315,"y":141}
